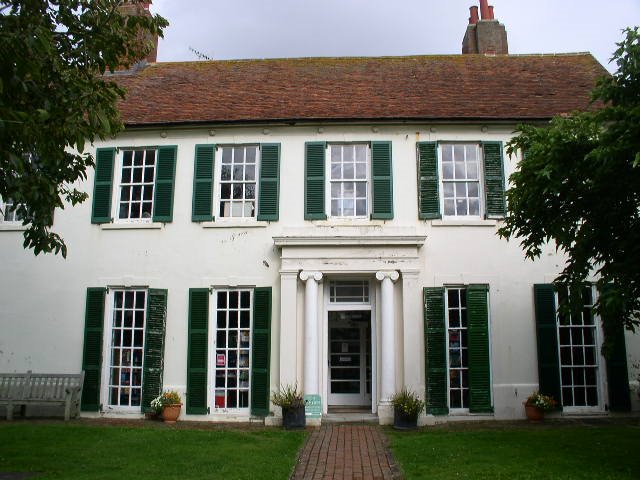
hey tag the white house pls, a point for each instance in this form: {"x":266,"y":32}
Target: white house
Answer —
{"x":329,"y":222}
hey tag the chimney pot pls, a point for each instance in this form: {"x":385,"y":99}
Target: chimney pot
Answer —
{"x":484,"y":9}
{"x":491,"y":12}
{"x":474,"y":15}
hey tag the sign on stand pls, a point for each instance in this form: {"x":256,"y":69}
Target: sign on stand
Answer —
{"x":312,"y":406}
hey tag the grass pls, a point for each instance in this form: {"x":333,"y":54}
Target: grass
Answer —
{"x":110,"y":452}
{"x":558,"y":452}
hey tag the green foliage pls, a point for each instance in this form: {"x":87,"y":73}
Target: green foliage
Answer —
{"x":168,"y":397}
{"x":578,"y":185}
{"x":407,"y":402}
{"x":546,"y":403}
{"x":54,"y":99}
{"x":505,"y":451}
{"x":288,"y":397}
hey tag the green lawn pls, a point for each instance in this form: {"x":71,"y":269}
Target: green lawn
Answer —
{"x":541,"y":452}
{"x":157,"y":452}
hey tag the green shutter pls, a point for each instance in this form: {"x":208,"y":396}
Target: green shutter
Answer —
{"x":203,"y":183}
{"x":92,"y":351}
{"x":547,"y":338}
{"x":153,"y":359}
{"x":197,"y":355}
{"x":261,"y":351}
{"x":381,"y":167}
{"x":314,"y":187}
{"x":165,"y":180}
{"x":616,"y":359}
{"x":617,"y":373}
{"x":269,"y":182}
{"x":436,"y":351}
{"x":494,"y":180}
{"x":103,"y":185}
{"x":479,"y":355}
{"x":428,"y":181}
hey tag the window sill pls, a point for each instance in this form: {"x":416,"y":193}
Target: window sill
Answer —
{"x":344,"y":222}
{"x":132,"y":226}
{"x":463,"y":223}
{"x":235,"y":224}
{"x":12,"y":227}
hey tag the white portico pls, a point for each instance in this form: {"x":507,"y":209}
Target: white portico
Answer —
{"x":348,"y":306}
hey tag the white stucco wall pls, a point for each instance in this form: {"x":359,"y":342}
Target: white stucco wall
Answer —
{"x":43,"y":298}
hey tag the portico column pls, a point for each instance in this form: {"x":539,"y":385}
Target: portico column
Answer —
{"x":387,"y":335}
{"x":311,"y":340}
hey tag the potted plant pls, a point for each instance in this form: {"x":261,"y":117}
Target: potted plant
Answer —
{"x":537,"y":404}
{"x":167,"y":405}
{"x":292,"y":404}
{"x":407,"y":406}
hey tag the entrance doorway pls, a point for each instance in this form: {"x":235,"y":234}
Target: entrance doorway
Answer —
{"x":350,"y":358}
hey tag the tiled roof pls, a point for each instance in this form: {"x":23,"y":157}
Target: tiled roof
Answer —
{"x":438,"y":87}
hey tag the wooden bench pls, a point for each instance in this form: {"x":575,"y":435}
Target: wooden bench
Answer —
{"x":41,"y":389}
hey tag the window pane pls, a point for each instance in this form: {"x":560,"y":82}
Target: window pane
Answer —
{"x":251,"y":154}
{"x":447,"y":170}
{"x":472,"y":170}
{"x":348,"y":171}
{"x":449,"y":207}
{"x":447,"y":153}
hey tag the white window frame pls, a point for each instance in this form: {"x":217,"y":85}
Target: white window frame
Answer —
{"x":3,"y":211}
{"x":117,"y":183}
{"x":328,"y":181}
{"x":600,"y":360}
{"x":106,"y":349}
{"x":218,"y":183}
{"x":481,"y":187}
{"x":212,"y":367}
{"x":464,"y":410}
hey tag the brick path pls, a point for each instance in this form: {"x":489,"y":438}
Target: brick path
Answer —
{"x":346,"y":452}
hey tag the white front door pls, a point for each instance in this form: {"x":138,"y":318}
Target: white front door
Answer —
{"x":350,"y":358}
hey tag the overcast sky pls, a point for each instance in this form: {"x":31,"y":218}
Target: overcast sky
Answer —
{"x":232,"y":29}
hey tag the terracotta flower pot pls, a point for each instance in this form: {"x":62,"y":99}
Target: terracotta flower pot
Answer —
{"x":534,"y":414}
{"x":170,"y":413}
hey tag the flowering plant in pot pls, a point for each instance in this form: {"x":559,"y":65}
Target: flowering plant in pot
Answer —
{"x":292,"y":404}
{"x":167,"y":405}
{"x":407,"y":406}
{"x":536,"y":404}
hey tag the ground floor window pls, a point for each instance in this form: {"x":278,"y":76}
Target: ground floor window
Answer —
{"x":126,"y":348}
{"x":458,"y":353}
{"x":456,"y":313}
{"x":578,"y":348}
{"x":233,"y":346}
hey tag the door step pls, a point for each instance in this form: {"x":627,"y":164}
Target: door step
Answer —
{"x":350,"y":417}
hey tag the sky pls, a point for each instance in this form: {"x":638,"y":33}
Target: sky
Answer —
{"x":234,"y":29}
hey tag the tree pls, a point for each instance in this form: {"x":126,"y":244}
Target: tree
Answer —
{"x":54,"y":98}
{"x":578,"y":185}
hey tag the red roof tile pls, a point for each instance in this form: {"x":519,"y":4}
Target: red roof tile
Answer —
{"x":439,"y":87}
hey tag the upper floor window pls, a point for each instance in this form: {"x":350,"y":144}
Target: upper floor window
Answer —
{"x":9,"y":212}
{"x":134,"y":184}
{"x":349,"y":180}
{"x":237,"y":178}
{"x":460,"y":180}
{"x":236,"y":182}
{"x":137,"y":181}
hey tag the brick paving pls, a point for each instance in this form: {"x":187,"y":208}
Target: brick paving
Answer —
{"x":346,"y":452}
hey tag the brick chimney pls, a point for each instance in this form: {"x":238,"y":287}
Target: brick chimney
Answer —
{"x":133,"y":7}
{"x":485,"y":35}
